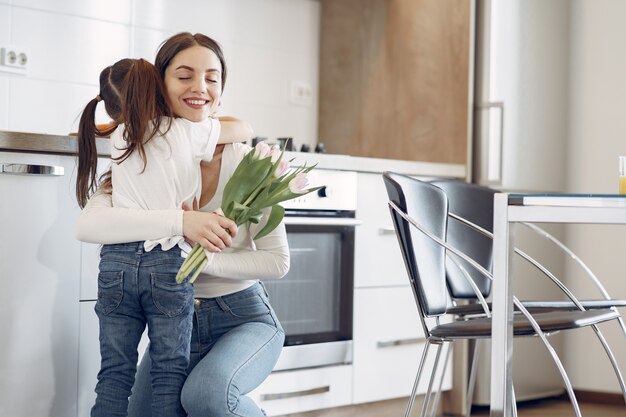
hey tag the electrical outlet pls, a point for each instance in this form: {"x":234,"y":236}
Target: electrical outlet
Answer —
{"x":301,"y":93}
{"x":13,"y":59}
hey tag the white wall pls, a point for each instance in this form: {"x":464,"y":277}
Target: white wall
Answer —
{"x":597,"y":136}
{"x":268,"y":44}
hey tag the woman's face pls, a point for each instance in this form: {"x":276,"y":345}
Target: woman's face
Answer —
{"x":193,"y":81}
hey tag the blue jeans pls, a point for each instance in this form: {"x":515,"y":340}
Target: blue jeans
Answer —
{"x":235,"y":343}
{"x":136,"y":288}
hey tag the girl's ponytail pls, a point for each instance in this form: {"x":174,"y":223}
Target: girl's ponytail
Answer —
{"x":87,"y":153}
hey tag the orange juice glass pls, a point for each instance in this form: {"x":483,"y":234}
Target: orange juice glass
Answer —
{"x":622,"y":174}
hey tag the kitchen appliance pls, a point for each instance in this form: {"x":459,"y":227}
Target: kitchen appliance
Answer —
{"x":314,"y":300}
{"x":520,"y":131}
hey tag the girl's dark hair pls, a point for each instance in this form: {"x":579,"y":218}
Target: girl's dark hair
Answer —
{"x":133,"y":94}
{"x":184,"y":40}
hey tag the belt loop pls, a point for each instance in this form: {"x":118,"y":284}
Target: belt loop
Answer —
{"x":264,"y":289}
{"x":223,"y":305}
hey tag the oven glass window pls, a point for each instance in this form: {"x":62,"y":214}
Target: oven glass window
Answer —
{"x":311,"y":301}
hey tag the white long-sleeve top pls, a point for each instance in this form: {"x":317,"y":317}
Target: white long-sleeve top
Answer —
{"x":229,"y":271}
{"x":171,"y":174}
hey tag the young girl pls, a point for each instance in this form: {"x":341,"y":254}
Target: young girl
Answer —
{"x":156,"y":165}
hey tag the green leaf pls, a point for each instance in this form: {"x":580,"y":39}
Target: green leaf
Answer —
{"x":274,"y":219}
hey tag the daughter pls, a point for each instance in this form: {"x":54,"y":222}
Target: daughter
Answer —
{"x":156,"y":165}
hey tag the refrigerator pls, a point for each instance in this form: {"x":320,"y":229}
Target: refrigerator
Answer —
{"x":519,"y":134}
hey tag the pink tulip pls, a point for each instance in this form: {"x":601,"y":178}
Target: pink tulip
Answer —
{"x":261,"y":150}
{"x":281,"y":168}
{"x":274,"y":153}
{"x":299,"y":183}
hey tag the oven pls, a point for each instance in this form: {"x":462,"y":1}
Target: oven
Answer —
{"x":314,"y":300}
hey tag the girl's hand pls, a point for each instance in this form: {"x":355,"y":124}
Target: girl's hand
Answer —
{"x":212,"y":231}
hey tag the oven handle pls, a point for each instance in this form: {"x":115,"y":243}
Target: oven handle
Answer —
{"x":321,"y":221}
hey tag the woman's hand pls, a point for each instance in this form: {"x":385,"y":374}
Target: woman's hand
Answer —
{"x":212,"y":231}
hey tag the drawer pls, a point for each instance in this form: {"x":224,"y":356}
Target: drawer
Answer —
{"x":388,"y":344}
{"x":378,"y":260}
{"x":304,"y":390}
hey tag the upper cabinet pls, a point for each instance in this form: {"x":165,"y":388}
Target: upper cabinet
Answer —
{"x":395,"y":78}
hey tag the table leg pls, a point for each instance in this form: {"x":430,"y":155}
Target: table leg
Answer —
{"x":502,"y":329}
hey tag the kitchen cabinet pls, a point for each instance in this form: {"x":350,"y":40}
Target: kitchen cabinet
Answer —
{"x":388,"y":337}
{"x":395,"y":79}
{"x":378,"y":260}
{"x":305,"y":390}
{"x":39,"y":269}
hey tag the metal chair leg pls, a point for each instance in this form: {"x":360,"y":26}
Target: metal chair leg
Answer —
{"x":443,"y":374}
{"x":420,"y":368}
{"x":609,"y":353}
{"x":431,"y":381}
{"x":471,"y":384}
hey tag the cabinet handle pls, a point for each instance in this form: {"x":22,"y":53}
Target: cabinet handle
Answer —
{"x":303,"y":393}
{"x":386,"y":230}
{"x":27,"y":169}
{"x":400,"y":342}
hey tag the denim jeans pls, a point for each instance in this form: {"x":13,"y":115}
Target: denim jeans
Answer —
{"x":235,"y":343}
{"x":136,"y":288}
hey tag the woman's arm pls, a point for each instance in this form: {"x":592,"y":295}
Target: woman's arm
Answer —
{"x":100,"y":222}
{"x":234,"y":130}
{"x":270,"y":260}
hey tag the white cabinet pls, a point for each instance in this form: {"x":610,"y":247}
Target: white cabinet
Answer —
{"x":388,"y":343}
{"x":378,"y":261}
{"x":304,"y":390}
{"x":39,"y":270}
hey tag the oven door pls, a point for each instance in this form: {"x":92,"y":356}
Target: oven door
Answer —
{"x":314,"y":300}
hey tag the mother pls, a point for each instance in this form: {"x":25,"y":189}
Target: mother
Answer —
{"x":236,"y":337}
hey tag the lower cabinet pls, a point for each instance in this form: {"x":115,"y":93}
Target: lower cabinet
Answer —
{"x":305,"y":390}
{"x":388,"y":344}
{"x":39,"y":272}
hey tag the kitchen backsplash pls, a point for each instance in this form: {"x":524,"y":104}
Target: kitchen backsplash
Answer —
{"x":271,"y":48}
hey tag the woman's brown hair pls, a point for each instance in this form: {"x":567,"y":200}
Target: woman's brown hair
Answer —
{"x":184,"y":40}
{"x":133,"y":94}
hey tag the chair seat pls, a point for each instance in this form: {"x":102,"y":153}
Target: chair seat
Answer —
{"x":548,"y":322}
{"x":535,"y":306}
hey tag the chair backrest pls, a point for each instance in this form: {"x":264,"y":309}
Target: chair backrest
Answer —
{"x":424,"y":258}
{"x":474,"y":203}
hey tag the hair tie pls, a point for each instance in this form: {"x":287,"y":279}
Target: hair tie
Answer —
{"x":98,"y":98}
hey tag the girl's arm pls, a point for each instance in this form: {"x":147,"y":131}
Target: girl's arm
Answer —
{"x":234,"y":130}
{"x":100,"y":222}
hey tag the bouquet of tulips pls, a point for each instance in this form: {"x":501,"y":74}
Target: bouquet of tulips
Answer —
{"x":262,"y":179}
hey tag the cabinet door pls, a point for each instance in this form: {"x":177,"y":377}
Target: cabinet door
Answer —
{"x":388,"y":344}
{"x":378,"y":261}
{"x":39,"y":270}
{"x":304,"y":390}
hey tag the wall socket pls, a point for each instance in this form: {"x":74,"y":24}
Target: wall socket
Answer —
{"x":300,"y":93}
{"x":13,"y":59}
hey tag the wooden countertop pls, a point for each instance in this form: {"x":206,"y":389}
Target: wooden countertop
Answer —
{"x":44,"y":143}
{"x":66,"y":145}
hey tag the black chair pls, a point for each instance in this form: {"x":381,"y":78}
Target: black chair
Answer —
{"x":420,"y":215}
{"x":470,"y":229}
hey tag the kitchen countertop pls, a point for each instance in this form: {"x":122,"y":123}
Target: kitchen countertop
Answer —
{"x":66,"y":145}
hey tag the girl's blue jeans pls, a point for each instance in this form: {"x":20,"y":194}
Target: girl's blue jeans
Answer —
{"x":235,"y":343}
{"x":136,"y":288}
